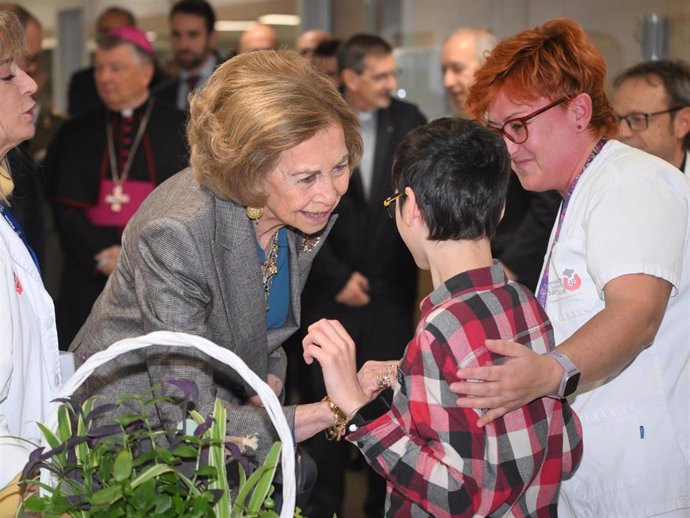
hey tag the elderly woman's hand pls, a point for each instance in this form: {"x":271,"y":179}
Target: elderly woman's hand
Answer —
{"x":374,"y":376}
{"x":276,"y":385}
{"x":522,"y":378}
{"x":329,"y":344}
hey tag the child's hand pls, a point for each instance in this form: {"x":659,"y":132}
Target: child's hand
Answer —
{"x":328,"y":343}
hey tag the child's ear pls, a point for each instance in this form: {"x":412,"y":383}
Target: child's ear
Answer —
{"x":410,"y":211}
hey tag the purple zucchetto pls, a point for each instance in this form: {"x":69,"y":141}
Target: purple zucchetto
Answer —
{"x":134,"y":36}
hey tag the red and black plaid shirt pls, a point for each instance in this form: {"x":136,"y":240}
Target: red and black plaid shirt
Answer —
{"x":437,"y":461}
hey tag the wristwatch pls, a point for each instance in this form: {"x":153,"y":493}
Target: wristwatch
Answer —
{"x":369,"y":412}
{"x":571,"y":375}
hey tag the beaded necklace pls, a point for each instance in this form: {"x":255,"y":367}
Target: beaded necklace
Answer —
{"x":270,"y":267}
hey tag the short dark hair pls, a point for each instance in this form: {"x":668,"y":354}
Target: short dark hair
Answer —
{"x":359,"y":47}
{"x":327,"y":49}
{"x":459,"y":172}
{"x":198,"y":8}
{"x":675,"y":76}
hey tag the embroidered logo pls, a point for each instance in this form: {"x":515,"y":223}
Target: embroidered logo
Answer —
{"x":18,"y":285}
{"x":571,"y":280}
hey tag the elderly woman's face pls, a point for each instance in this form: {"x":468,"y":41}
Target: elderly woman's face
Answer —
{"x":16,"y":105}
{"x":309,"y":181}
{"x":540,"y":161}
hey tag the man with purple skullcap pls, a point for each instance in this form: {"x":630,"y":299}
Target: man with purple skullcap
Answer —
{"x":101,"y":165}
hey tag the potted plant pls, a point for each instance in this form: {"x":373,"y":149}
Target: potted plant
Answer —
{"x":128,"y":468}
{"x":108,"y":460}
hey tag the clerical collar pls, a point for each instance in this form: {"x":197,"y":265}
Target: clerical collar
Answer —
{"x":205,"y":71}
{"x":128,"y":112}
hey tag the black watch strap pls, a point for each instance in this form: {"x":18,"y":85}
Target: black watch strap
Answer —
{"x":369,"y":412}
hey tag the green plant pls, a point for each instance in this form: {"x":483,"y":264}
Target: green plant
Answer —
{"x":122,"y":466}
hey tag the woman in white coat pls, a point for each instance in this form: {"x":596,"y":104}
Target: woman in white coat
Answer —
{"x":29,"y":358}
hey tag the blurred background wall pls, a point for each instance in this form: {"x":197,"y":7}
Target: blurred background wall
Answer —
{"x":625,"y":32}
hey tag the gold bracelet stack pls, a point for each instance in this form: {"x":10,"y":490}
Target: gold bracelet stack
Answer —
{"x":335,"y":432}
{"x":384,"y":378}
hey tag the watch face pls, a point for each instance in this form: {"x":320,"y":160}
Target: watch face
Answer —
{"x":571,"y":384}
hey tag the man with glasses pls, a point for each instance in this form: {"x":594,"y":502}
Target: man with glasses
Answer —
{"x":364,"y":275}
{"x":652,"y":103}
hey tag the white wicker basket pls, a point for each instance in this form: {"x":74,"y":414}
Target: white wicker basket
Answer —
{"x":167,"y":338}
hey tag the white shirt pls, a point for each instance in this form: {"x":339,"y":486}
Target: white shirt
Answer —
{"x":29,"y":358}
{"x":367,"y":129}
{"x":629,"y":213}
{"x":202,"y":78}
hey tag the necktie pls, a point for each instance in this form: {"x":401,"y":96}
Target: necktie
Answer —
{"x":191,"y":82}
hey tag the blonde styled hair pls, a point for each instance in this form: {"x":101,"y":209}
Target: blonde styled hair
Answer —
{"x":254,"y":107}
{"x":12,"y":46}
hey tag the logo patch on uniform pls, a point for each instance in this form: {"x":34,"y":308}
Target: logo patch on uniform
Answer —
{"x":18,"y":285}
{"x":571,"y":280}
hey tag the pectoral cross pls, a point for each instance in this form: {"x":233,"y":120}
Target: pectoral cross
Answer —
{"x":117,"y":198}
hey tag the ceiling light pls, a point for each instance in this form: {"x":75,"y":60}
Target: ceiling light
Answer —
{"x":232,"y":26}
{"x":279,"y":19}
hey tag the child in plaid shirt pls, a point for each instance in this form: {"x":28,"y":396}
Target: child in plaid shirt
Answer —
{"x":450,"y":180}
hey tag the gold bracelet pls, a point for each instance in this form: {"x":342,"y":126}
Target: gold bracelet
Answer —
{"x":335,"y":431}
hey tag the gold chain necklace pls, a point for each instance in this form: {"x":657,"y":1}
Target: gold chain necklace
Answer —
{"x":270,"y":267}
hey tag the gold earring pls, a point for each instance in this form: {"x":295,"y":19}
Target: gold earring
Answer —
{"x":254,"y":213}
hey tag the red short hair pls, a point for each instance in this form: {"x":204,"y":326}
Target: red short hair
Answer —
{"x":552,"y":60}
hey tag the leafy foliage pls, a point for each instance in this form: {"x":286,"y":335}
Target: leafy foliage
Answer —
{"x":108,"y":467}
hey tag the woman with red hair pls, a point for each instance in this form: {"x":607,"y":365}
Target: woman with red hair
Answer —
{"x":615,"y":281}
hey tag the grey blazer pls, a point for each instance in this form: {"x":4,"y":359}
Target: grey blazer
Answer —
{"x":189,"y":263}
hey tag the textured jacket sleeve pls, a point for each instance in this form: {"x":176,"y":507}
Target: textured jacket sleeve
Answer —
{"x":164,"y":268}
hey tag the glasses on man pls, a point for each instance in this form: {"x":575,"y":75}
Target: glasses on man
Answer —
{"x":515,"y":129}
{"x":388,"y":203}
{"x":637,"y":121}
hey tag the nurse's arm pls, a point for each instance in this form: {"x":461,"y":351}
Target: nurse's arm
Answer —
{"x":634,"y":308}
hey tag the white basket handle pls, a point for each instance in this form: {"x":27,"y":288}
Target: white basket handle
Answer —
{"x":169,"y":338}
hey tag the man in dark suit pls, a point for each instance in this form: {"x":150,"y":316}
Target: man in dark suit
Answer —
{"x":364,"y":275}
{"x":193,"y":39}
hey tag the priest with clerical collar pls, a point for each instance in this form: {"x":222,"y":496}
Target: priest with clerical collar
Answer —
{"x":101,"y":166}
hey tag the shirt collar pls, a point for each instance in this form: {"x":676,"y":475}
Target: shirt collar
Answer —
{"x":464,"y":285}
{"x":205,"y":71}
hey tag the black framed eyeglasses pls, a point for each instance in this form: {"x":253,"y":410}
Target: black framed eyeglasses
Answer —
{"x":388,"y":203}
{"x":638,"y":121}
{"x":515,"y":129}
